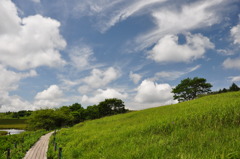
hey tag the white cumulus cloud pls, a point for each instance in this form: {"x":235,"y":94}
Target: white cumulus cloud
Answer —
{"x":9,"y":79}
{"x":13,"y":103}
{"x":28,"y":42}
{"x":99,"y":78}
{"x":232,"y":63}
{"x":53,"y":92}
{"x":150,"y":92}
{"x":235,"y":33}
{"x":51,"y":97}
{"x":168,"y":50}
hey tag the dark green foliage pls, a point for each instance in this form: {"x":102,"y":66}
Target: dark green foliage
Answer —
{"x":92,"y":112}
{"x":189,"y":89}
{"x":42,"y":119}
{"x":111,"y":106}
{"x":67,"y":116}
{"x":75,"y":107}
{"x":21,"y":114}
{"x":233,"y":88}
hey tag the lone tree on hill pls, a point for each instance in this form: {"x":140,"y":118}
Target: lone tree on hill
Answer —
{"x":189,"y":89}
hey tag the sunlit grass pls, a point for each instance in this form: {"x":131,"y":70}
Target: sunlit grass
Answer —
{"x":207,"y":127}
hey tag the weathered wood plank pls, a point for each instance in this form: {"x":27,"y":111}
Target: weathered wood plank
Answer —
{"x":39,"y":149}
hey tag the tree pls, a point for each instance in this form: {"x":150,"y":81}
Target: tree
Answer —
{"x":92,"y":112}
{"x":75,"y":107}
{"x":42,"y":119}
{"x":78,"y":112}
{"x":111,"y":106}
{"x":234,"y":87}
{"x":189,"y":89}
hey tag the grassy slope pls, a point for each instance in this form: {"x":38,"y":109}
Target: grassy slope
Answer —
{"x":13,"y":123}
{"x":208,"y":127}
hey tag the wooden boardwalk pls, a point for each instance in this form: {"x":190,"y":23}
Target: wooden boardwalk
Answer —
{"x":39,"y":149}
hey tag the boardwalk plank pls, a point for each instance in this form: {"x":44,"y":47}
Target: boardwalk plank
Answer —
{"x":39,"y":149}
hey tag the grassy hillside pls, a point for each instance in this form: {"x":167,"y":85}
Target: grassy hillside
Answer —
{"x":13,"y":123}
{"x":208,"y":127}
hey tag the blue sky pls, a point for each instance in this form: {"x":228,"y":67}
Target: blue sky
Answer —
{"x":55,"y":53}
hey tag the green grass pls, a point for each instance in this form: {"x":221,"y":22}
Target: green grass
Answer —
{"x":18,"y":144}
{"x":208,"y":128}
{"x":13,"y":124}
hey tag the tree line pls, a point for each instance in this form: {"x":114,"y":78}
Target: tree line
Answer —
{"x":69,"y":115}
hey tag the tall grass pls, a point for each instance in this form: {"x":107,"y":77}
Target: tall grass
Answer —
{"x":18,"y":144}
{"x":208,"y":127}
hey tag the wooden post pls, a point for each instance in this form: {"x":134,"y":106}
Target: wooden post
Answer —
{"x":8,"y":153}
{"x":60,"y":153}
{"x":54,"y":139}
{"x":55,"y":146}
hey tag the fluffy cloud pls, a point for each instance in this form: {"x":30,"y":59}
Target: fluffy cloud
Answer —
{"x":135,"y":77}
{"x":24,"y":44}
{"x":232,"y":63}
{"x":235,"y":33}
{"x":150,"y":92}
{"x":51,"y":97}
{"x":171,"y":20}
{"x":99,"y":78}
{"x":102,"y":95}
{"x":168,"y":50}
{"x":172,"y":75}
{"x":9,"y":19}
{"x":13,"y":103}
{"x":9,"y":79}
{"x":53,"y":92}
